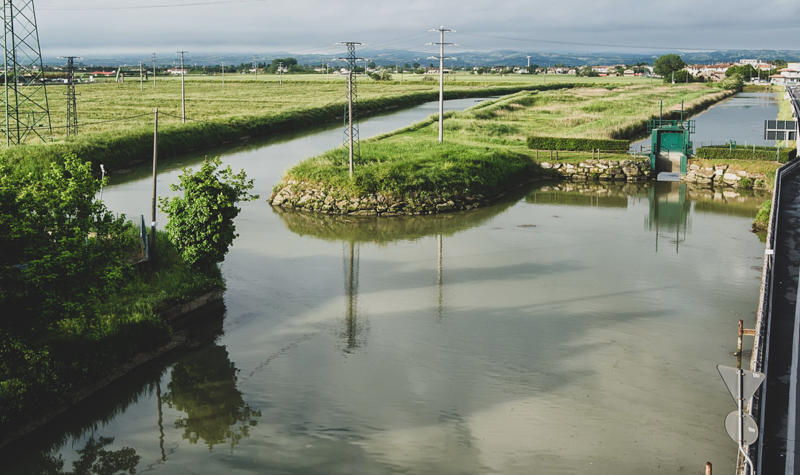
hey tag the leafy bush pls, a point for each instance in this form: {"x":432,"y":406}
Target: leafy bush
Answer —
{"x":572,"y":144}
{"x":768,"y":154}
{"x":60,"y":249}
{"x":201,"y":222}
{"x":761,"y":223}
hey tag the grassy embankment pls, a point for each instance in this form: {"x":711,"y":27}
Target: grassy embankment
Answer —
{"x":129,"y":324}
{"x":485,"y":149}
{"x":117,"y":119}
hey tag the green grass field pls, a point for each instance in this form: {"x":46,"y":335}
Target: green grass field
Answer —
{"x":244,"y":95}
{"x":487,"y":142}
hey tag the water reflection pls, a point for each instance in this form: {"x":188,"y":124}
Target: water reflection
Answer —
{"x":362,"y":229}
{"x":94,"y":459}
{"x":352,"y":329}
{"x":669,"y":211}
{"x":670,"y":204}
{"x":204,"y":387}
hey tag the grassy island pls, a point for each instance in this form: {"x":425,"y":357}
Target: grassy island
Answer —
{"x":485,"y":151}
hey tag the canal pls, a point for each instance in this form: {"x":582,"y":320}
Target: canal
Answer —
{"x":564,"y":329}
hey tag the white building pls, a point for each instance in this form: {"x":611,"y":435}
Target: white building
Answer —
{"x":788,"y":75}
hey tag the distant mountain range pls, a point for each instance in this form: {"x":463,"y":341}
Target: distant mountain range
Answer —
{"x":494,"y":58}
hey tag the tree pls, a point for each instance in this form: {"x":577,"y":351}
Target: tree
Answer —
{"x":665,"y":65}
{"x":61,"y":250}
{"x":371,"y":65}
{"x":201,"y":222}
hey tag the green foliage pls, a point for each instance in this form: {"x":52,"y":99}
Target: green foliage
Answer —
{"x":201,"y":222}
{"x":381,"y":76}
{"x":732,"y":83}
{"x":61,"y":360}
{"x":725,"y":152}
{"x":574,"y":144}
{"x":761,"y":222}
{"x":666,"y":64}
{"x":61,"y":250}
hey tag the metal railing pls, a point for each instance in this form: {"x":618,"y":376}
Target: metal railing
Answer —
{"x":764,"y":316}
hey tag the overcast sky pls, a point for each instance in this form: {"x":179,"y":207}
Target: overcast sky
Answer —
{"x":94,"y":27}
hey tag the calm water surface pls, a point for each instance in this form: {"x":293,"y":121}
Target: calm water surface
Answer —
{"x":562,"y":330}
{"x":740,"y":118}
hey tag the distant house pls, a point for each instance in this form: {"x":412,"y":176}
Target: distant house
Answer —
{"x":103,"y":73}
{"x":788,"y":75}
{"x":176,"y":72}
{"x":629,"y":73}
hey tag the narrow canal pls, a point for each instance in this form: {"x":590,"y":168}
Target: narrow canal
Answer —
{"x":561,"y":330}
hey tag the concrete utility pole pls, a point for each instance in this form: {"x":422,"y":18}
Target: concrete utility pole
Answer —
{"x":183,"y":90}
{"x":255,"y":65}
{"x":442,"y":30}
{"x":223,"y":74}
{"x":280,"y":73}
{"x":529,"y":61}
{"x":141,"y":80}
{"x":154,"y":69}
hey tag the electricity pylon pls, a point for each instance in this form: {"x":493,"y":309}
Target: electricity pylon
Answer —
{"x":25,"y":97}
{"x":351,"y":142}
{"x":72,"y":106}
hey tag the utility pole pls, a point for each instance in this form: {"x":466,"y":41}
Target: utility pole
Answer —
{"x":280,"y":73}
{"x":223,"y":74}
{"x":529,"y":62}
{"x":141,"y":80}
{"x":72,"y":107}
{"x":154,"y":69}
{"x":255,"y":65}
{"x":351,"y":115}
{"x":183,"y":90}
{"x":442,"y":30}
{"x":153,"y":222}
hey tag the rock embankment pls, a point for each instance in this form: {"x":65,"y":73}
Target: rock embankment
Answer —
{"x":605,"y":170}
{"x":309,"y":196}
{"x":724,"y":175}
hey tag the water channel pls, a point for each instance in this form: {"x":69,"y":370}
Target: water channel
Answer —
{"x":561,"y":330}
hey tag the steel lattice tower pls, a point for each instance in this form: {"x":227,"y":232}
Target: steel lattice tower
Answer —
{"x":352,"y":145}
{"x":72,"y":106}
{"x":25,"y":99}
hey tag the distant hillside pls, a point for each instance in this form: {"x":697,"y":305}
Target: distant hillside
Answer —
{"x":494,"y":58}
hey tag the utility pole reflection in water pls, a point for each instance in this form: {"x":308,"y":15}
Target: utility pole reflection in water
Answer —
{"x":439,"y":280}
{"x":351,"y":290}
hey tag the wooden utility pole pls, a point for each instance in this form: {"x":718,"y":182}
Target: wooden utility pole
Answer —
{"x":183,"y":90}
{"x":153,"y":222}
{"x":154,"y":69}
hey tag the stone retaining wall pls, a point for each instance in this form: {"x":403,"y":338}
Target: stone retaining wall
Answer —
{"x":605,"y":170}
{"x":308,"y":196}
{"x":723,"y":175}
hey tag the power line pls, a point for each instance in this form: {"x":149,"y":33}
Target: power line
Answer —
{"x":351,"y":138}
{"x":145,"y":7}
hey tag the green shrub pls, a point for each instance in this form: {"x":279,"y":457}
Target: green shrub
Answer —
{"x":761,"y":223}
{"x":201,"y":222}
{"x":768,"y":154}
{"x":575,"y":145}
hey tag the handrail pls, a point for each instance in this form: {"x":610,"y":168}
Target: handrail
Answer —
{"x":760,"y":358}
